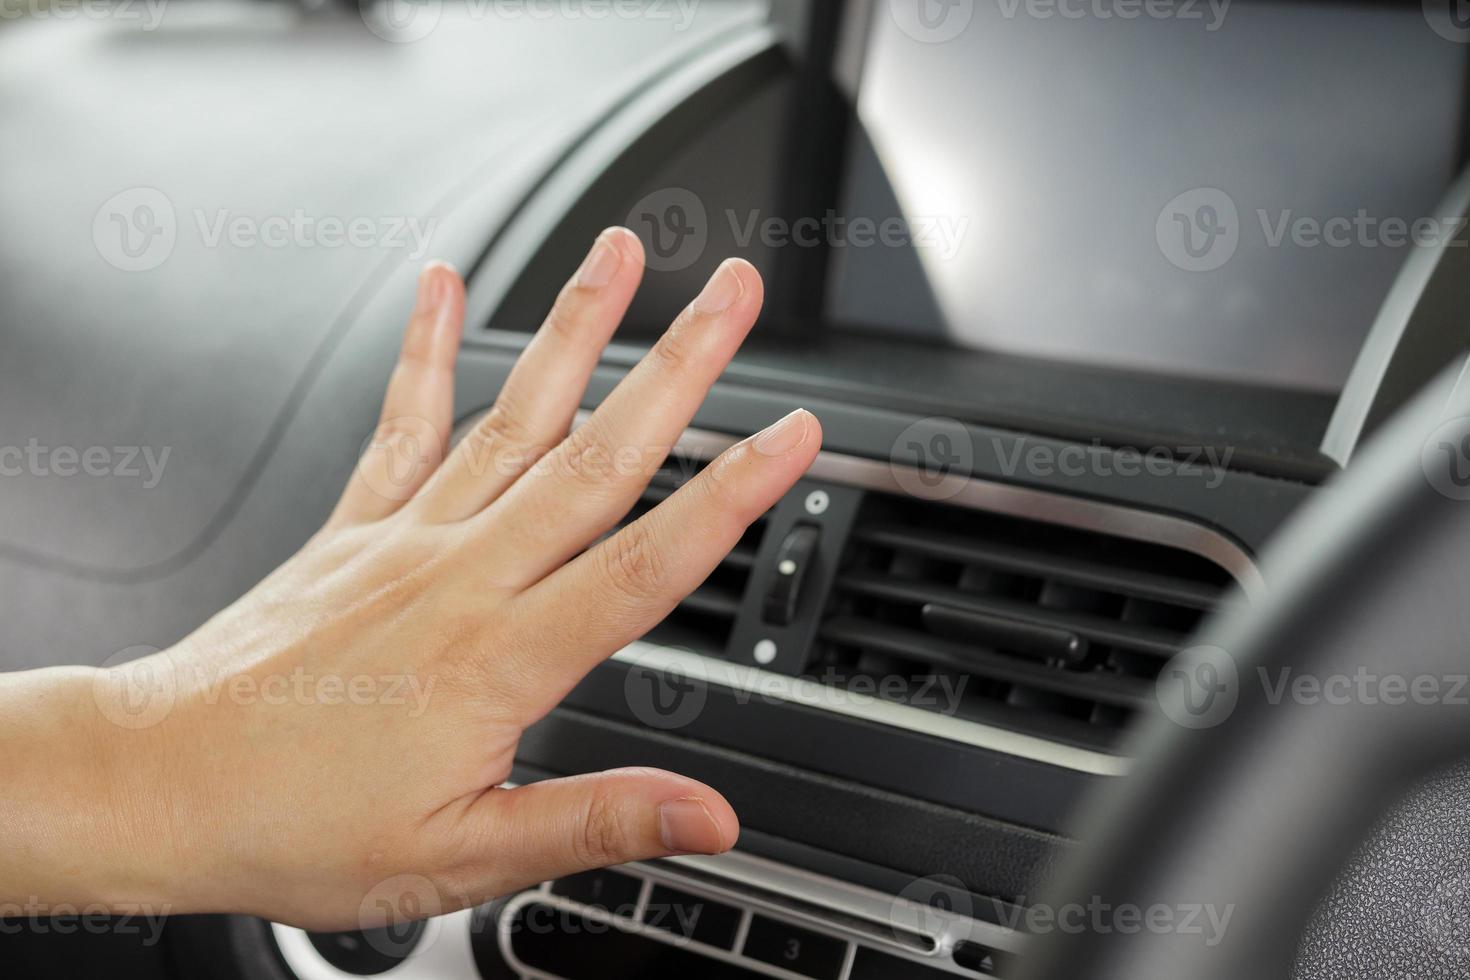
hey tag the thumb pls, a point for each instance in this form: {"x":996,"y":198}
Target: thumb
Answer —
{"x":558,"y":827}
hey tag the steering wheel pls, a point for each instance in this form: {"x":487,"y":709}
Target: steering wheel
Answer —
{"x":1289,"y":728}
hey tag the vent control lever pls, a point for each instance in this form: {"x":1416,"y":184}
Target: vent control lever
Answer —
{"x":793,"y":559}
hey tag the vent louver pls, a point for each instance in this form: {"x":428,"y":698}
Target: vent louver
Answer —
{"x":704,"y":620}
{"x":1040,"y":628}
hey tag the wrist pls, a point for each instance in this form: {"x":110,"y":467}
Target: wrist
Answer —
{"x":54,"y":803}
{"x":152,"y":796}
{"x":87,"y":823}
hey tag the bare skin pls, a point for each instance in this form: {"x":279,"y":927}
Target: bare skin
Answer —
{"x":342,"y":732}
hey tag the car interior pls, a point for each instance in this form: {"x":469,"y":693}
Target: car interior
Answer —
{"x":1135,"y":330}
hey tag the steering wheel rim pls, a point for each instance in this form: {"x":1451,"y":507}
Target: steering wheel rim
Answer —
{"x":1246,"y":813}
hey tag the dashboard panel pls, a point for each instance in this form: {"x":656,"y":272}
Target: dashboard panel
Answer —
{"x":260,"y":371}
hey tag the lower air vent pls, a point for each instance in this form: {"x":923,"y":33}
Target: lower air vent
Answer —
{"x":1037,"y":627}
{"x":704,"y":620}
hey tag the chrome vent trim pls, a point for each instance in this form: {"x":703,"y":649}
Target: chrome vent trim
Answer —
{"x":754,"y":682}
{"x":977,"y":493}
{"x":999,"y":498}
{"x":1016,"y":501}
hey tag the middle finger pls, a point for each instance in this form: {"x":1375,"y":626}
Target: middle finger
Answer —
{"x":581,"y":488}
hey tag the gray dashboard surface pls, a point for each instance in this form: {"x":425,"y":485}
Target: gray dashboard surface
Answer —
{"x":255,"y":364}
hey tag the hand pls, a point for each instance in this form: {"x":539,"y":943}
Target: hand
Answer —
{"x":351,"y":720}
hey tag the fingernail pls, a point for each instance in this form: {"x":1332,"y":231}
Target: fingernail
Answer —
{"x":685,"y":826}
{"x":600,"y":265}
{"x":427,"y":286}
{"x":433,"y":286}
{"x":783,"y":436}
{"x":722,"y":290}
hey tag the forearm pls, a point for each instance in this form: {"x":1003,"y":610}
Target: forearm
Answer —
{"x":65,"y":797}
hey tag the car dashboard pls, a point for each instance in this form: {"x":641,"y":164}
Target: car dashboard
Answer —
{"x":911,"y":676}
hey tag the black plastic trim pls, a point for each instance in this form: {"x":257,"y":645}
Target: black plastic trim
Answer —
{"x":1006,"y":787}
{"x":840,"y":816}
{"x":1244,"y":506}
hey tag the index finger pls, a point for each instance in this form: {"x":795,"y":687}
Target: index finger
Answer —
{"x":623,"y":586}
{"x":583,"y":486}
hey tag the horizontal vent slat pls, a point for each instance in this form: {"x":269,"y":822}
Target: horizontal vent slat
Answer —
{"x":1110,"y":632}
{"x":1112,"y":689}
{"x":1063,"y":568}
{"x":704,"y":619}
{"x":740,"y":558}
{"x":716,"y":602}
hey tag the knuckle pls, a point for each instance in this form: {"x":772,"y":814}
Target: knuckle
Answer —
{"x":502,"y":425}
{"x":632,"y":563}
{"x":415,"y":350}
{"x":413,"y":364}
{"x":673,"y":351}
{"x":720,"y":485}
{"x":604,"y":838}
{"x":388,"y":435}
{"x":392,"y":428}
{"x":725,"y":494}
{"x":406,"y":432}
{"x":589,"y":458}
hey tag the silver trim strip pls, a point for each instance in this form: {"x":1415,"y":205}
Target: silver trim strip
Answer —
{"x":945,"y":927}
{"x":883,"y":911}
{"x":979,"y":493}
{"x":755,"y":683}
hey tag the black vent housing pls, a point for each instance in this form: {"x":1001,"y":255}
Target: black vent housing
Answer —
{"x":1037,"y":627}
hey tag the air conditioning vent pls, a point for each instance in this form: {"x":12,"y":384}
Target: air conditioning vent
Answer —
{"x":1038,"y":627}
{"x":704,"y":620}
